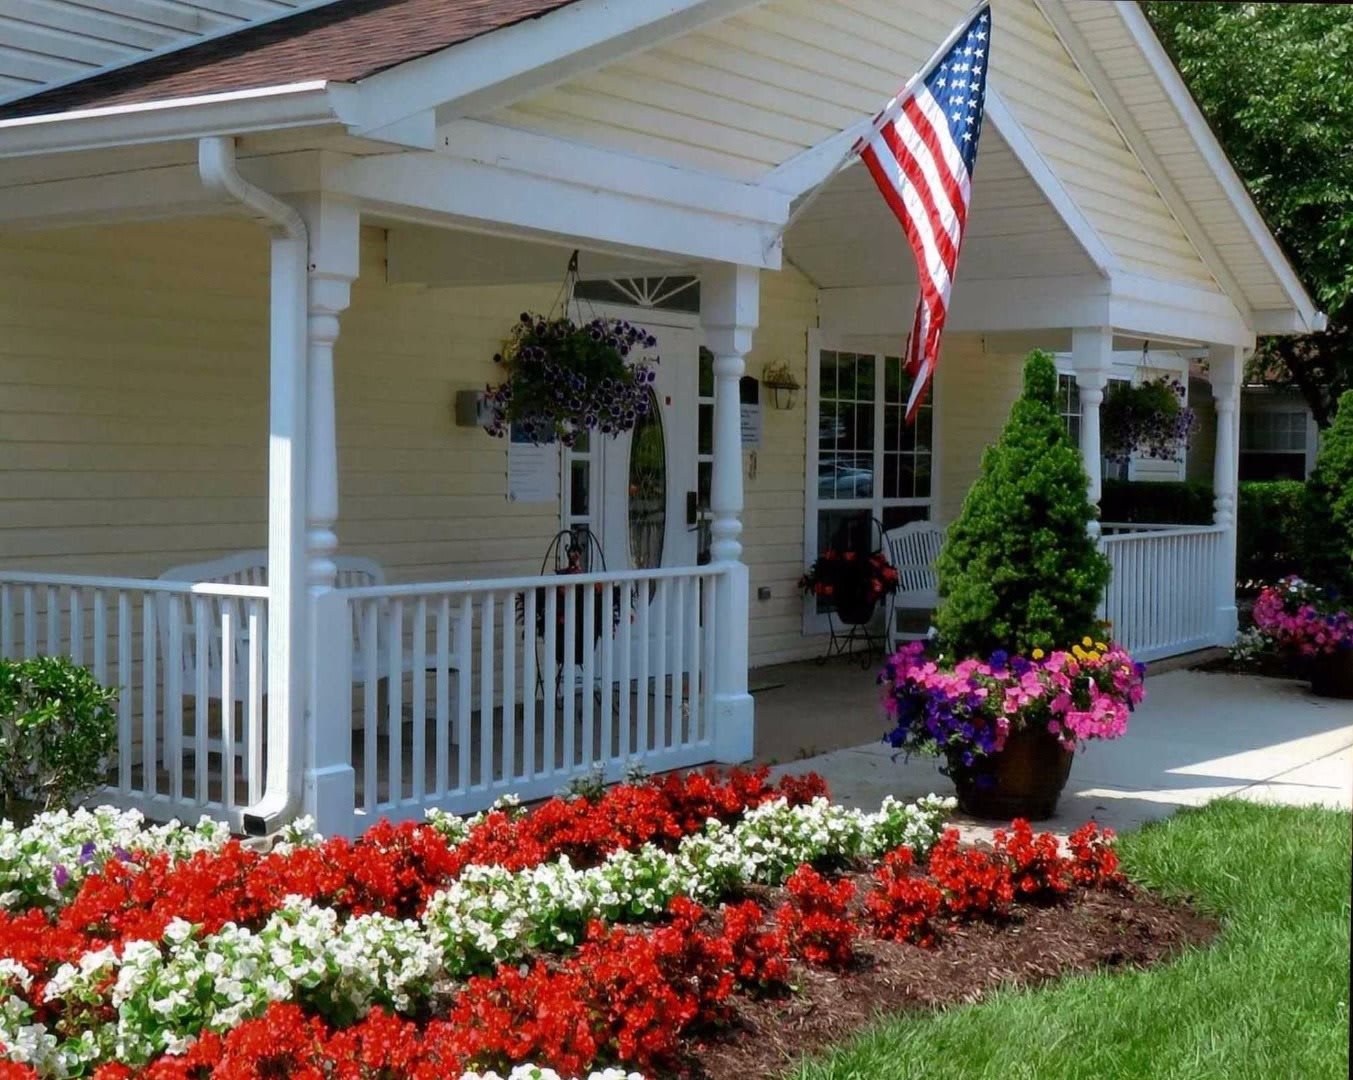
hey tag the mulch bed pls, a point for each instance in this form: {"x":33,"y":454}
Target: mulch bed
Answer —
{"x":1128,"y":928}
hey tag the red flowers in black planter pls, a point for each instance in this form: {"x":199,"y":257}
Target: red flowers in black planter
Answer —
{"x":852,"y":581}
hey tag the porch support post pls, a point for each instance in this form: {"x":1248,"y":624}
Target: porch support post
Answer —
{"x":730,"y":307}
{"x":1225,"y":364}
{"x":1092,"y":360}
{"x":329,"y":788}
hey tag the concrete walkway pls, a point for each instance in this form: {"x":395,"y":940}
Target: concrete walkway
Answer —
{"x":1197,"y":737}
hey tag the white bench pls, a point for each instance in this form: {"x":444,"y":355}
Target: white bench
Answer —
{"x":912,"y":549}
{"x":251,"y":568}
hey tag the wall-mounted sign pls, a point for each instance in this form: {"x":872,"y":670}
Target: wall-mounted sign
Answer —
{"x":749,"y":394}
{"x":532,"y":471}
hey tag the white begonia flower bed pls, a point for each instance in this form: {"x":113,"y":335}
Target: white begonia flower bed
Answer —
{"x":165,"y":993}
{"x":44,"y":863}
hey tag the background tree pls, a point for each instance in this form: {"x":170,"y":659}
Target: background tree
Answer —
{"x":1274,"y":81}
{"x":1019,"y":571}
{"x":1329,"y":505}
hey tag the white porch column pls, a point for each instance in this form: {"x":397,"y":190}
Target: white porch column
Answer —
{"x":1225,"y":364}
{"x":1092,"y":360}
{"x":730,"y":304}
{"x":329,"y":789}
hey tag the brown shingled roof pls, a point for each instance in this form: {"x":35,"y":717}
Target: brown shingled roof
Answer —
{"x":342,"y":42}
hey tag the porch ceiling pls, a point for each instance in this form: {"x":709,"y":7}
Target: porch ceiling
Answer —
{"x":849,"y":237}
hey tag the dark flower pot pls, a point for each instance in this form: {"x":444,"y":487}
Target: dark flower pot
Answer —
{"x":1024,"y":780}
{"x":1332,"y":674}
{"x":855,"y":610}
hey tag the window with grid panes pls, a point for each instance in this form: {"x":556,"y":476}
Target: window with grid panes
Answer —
{"x":1069,"y":405}
{"x":872,"y":466}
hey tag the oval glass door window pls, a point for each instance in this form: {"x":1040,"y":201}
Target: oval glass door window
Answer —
{"x":648,"y":489}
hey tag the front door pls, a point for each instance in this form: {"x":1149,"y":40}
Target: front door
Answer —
{"x":635,"y":491}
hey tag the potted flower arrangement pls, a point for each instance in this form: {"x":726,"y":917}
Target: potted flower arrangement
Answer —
{"x":1151,"y":419}
{"x":1306,"y":622}
{"x":565,"y":377}
{"x":1008,"y":726}
{"x":1022,"y":673}
{"x":853,"y":582}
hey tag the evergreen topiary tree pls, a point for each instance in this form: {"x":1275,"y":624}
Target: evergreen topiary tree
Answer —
{"x":1329,"y":504}
{"x":1019,"y":570}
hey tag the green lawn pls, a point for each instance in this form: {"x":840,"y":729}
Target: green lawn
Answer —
{"x":1268,"y":999}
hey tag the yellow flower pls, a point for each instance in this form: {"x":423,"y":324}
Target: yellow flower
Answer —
{"x":1101,"y":646}
{"x":1087,"y":642}
{"x":1038,"y":654}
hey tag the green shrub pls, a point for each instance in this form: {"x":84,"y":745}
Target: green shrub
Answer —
{"x":1270,"y":519}
{"x":1329,"y":504}
{"x":58,"y":731}
{"x":1174,"y":502}
{"x":1019,"y":570}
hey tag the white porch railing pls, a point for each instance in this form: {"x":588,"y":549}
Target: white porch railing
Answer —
{"x":468,"y":690}
{"x":1162,"y":598}
{"x":188,"y":663}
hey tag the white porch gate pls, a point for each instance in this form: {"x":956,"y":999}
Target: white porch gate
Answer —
{"x":1163,"y":597}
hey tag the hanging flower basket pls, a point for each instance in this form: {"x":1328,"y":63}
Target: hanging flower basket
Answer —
{"x":1151,"y":420}
{"x":563,"y":378}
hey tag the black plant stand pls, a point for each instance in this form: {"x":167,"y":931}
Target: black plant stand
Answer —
{"x":846,"y":639}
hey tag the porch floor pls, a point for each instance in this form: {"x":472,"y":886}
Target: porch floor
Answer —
{"x":1197,"y":737}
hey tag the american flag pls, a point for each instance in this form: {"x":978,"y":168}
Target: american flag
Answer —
{"x":921,"y":154}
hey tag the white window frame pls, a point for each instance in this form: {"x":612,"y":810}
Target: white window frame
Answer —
{"x":1256,"y":403}
{"x":815,"y":622}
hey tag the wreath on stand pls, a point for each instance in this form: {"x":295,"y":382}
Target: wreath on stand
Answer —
{"x":567,"y":375}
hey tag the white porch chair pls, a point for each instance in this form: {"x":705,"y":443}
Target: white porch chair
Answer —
{"x":251,"y":568}
{"x":912,"y":549}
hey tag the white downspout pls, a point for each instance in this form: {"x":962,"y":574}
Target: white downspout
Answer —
{"x":287,"y":600}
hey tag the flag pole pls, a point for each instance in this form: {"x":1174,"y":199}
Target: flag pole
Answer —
{"x":882,"y":118}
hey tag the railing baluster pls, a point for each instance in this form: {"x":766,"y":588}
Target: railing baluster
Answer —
{"x":149,"y":702}
{"x":125,"y":692}
{"x":6,"y":622}
{"x":588,"y":596}
{"x":77,"y":625}
{"x":371,"y":692}
{"x":202,"y":696}
{"x":173,"y":699}
{"x":528,"y":685}
{"x":228,"y":632}
{"x":625,"y":684}
{"x":509,"y":650}
{"x":394,"y":733}
{"x":550,"y":687}
{"x":678,"y":639}
{"x":420,"y":680}
{"x":53,"y":622}
{"x":465,"y":656}
{"x":257,"y":684}
{"x":100,"y":606}
{"x":608,"y":609}
{"x":442,"y":690}
{"x":693,"y":678}
{"x":570,"y":673}
{"x":710,"y":600}
{"x":642,"y":743}
{"x":30,"y":623}
{"x":486,"y":617}
{"x":662,"y":721}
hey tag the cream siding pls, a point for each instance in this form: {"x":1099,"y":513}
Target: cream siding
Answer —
{"x":975,"y":387}
{"x":747,"y":94}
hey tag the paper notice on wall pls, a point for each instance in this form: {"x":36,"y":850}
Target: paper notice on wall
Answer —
{"x":532,"y":471}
